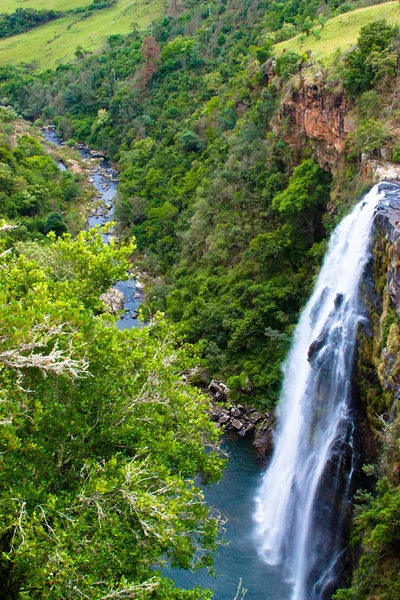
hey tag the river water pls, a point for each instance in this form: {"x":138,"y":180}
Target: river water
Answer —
{"x":104,"y":179}
{"x":234,"y":497}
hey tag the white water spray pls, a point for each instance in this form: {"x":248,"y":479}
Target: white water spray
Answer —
{"x":300,"y":503}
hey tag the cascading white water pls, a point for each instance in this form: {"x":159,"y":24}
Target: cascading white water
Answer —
{"x":301,"y":497}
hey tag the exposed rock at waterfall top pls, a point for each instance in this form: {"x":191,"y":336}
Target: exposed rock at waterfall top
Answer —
{"x":379,"y":170}
{"x":114,"y":300}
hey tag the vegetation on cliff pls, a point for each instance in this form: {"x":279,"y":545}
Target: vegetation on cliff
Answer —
{"x":230,"y":217}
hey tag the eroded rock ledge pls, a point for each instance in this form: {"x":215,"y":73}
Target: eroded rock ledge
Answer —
{"x":310,"y":111}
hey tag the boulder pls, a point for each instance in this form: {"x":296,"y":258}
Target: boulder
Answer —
{"x":238,"y":425}
{"x":114,"y":300}
{"x":224,"y":419}
{"x":264,"y":439}
{"x":255,"y":417}
{"x":219,"y":391}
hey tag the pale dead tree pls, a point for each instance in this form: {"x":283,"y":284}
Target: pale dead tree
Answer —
{"x":6,"y":227}
{"x":19,"y":531}
{"x":135,"y":590}
{"x":139,"y":591}
{"x":241,"y":592}
{"x":33,"y":353}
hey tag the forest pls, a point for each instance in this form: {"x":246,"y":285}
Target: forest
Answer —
{"x":230,"y":220}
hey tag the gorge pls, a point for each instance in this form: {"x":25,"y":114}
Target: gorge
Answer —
{"x":256,"y":149}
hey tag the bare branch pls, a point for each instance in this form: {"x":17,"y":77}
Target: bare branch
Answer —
{"x":7,"y":227}
{"x":134,"y":590}
{"x":57,"y":361}
{"x":240,"y":591}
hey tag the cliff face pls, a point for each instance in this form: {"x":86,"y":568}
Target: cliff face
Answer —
{"x":311,"y":113}
{"x":378,"y":375}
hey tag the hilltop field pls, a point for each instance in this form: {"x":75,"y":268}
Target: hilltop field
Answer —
{"x":9,"y":6}
{"x":55,"y":43}
{"x":341,"y":32}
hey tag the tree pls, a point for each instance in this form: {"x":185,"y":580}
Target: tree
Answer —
{"x":55,"y":223}
{"x":100,"y":438}
{"x":322,"y":20}
{"x":151,"y":54}
{"x":373,"y":59}
{"x":306,"y":194}
{"x":370,"y":136}
{"x":307,"y":26}
{"x":287,"y":64}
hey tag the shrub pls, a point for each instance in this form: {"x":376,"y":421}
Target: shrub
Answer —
{"x":396,"y":155}
{"x":287,"y":64}
{"x":55,"y":223}
{"x":370,"y":136}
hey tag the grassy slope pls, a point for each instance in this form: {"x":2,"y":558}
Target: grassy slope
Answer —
{"x":342,"y":32}
{"x":9,"y":6}
{"x":55,"y":43}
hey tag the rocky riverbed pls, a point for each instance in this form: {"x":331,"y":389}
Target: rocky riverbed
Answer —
{"x":124,"y":299}
{"x":240,"y":418}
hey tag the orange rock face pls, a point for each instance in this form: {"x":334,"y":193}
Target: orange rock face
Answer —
{"x":312,"y":112}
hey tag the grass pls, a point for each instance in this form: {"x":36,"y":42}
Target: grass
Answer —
{"x":9,"y":6}
{"x":341,"y":32}
{"x":55,"y":43}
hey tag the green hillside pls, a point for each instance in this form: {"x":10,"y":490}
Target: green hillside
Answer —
{"x":9,"y":6}
{"x":55,"y":43}
{"x":342,"y":31}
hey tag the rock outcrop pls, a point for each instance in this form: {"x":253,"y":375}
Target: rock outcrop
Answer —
{"x":379,"y":170}
{"x":319,"y":116}
{"x":114,"y":300}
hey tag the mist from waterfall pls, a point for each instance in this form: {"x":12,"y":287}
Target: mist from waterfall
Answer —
{"x":304,"y":493}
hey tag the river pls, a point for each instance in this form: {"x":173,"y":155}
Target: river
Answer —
{"x":234,"y":496}
{"x":105,"y":180}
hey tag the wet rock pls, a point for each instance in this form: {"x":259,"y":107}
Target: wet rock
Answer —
{"x":236,"y":424}
{"x":114,"y":300}
{"x":263,"y":440}
{"x":135,"y":314}
{"x":224,"y":420}
{"x":235,"y":412}
{"x":255,"y":417}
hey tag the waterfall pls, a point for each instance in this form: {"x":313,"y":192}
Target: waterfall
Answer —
{"x":302,"y":499}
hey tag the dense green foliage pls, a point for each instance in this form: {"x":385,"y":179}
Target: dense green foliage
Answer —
{"x":24,"y":19}
{"x":100,"y":439}
{"x":374,"y":59}
{"x":33,"y":190}
{"x":188,"y":115}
